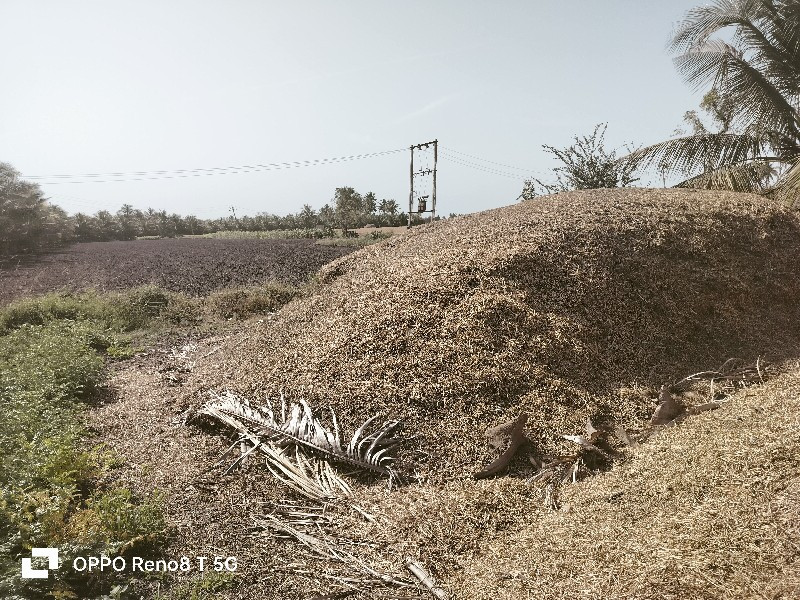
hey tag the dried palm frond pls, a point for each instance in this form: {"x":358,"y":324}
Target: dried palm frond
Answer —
{"x":314,"y":479}
{"x":296,"y":426}
{"x":328,"y":547}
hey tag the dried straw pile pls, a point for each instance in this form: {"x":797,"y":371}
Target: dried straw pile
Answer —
{"x":706,"y":509}
{"x":572,"y":306}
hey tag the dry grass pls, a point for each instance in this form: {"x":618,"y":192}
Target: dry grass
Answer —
{"x":574,"y":306}
{"x":708,"y":509}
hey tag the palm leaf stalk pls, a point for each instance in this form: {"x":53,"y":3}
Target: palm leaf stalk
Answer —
{"x":758,"y":74}
{"x":296,"y":428}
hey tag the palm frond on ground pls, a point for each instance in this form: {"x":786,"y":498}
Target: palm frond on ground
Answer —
{"x":299,"y":446}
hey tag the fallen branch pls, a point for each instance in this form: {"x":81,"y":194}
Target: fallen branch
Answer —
{"x":425,"y":579}
{"x":502,"y":461}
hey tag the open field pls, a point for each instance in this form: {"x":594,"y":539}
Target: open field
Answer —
{"x":192,"y":266}
{"x":585,"y":312}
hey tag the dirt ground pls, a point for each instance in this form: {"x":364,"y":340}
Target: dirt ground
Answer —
{"x":208,"y":513}
{"x":192,"y":266}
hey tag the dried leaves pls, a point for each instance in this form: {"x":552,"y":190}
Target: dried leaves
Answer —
{"x":321,"y":538}
{"x":675,"y":402}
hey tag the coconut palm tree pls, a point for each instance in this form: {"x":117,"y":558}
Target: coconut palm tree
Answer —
{"x":756,"y":70}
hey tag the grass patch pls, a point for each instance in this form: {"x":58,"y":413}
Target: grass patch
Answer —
{"x":205,"y":587}
{"x":241,"y":302}
{"x":49,"y":493}
{"x":275,"y":234}
{"x":143,"y":308}
{"x":52,"y":351}
{"x":132,"y":309}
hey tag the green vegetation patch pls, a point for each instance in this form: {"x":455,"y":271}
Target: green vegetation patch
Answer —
{"x":49,"y":492}
{"x":141,"y":308}
{"x":274,"y":234}
{"x":132,"y":309}
{"x":204,"y":587}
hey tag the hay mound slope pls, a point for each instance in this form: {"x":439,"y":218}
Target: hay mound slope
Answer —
{"x":709,"y":509}
{"x":551,"y":306}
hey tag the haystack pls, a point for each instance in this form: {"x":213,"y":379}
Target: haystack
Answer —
{"x":706,"y":509}
{"x":568,"y":307}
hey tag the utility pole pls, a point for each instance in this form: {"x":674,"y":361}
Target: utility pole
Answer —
{"x":429,"y":171}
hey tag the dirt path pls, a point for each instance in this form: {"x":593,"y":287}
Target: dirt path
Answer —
{"x":208,"y":514}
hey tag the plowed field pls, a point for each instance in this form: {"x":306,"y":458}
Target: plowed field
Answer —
{"x":193,"y":266}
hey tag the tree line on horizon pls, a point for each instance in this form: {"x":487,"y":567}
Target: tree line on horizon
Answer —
{"x":29,"y":222}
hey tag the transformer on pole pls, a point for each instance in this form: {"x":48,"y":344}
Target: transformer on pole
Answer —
{"x":418,"y":191}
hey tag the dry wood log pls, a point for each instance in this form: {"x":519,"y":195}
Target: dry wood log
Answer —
{"x":502,"y":462}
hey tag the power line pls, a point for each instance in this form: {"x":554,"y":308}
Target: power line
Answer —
{"x":486,"y":160}
{"x":481,"y":168}
{"x":184,"y":173}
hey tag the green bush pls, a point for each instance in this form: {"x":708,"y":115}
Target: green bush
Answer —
{"x":37,"y":311}
{"x":133,"y":309}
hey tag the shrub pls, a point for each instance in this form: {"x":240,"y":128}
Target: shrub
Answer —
{"x":242,"y":302}
{"x":137,"y":308}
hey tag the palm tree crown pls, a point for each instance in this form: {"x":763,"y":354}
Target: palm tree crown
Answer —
{"x":758,"y":73}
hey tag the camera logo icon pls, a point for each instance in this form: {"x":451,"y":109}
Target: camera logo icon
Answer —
{"x":51,"y":554}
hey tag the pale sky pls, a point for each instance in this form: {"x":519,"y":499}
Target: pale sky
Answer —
{"x":126,"y":87}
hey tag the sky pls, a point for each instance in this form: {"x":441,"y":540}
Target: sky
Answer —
{"x":173,"y":85}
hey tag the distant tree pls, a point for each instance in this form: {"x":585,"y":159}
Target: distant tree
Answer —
{"x":166,"y":225}
{"x":370,"y":203}
{"x":389,"y":207}
{"x":327,"y":217}
{"x":307,"y":217}
{"x":388,"y":210}
{"x":85,"y":228}
{"x":586,"y":164}
{"x":126,"y":221}
{"x":721,"y":109}
{"x":178,"y":224}
{"x":27,"y":220}
{"x":58,"y":227}
{"x":194,"y":225}
{"x":107,"y":226}
{"x":149,"y":225}
{"x":349,"y":206}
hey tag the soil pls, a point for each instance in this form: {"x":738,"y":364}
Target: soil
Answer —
{"x":208,"y":513}
{"x":192,"y":266}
